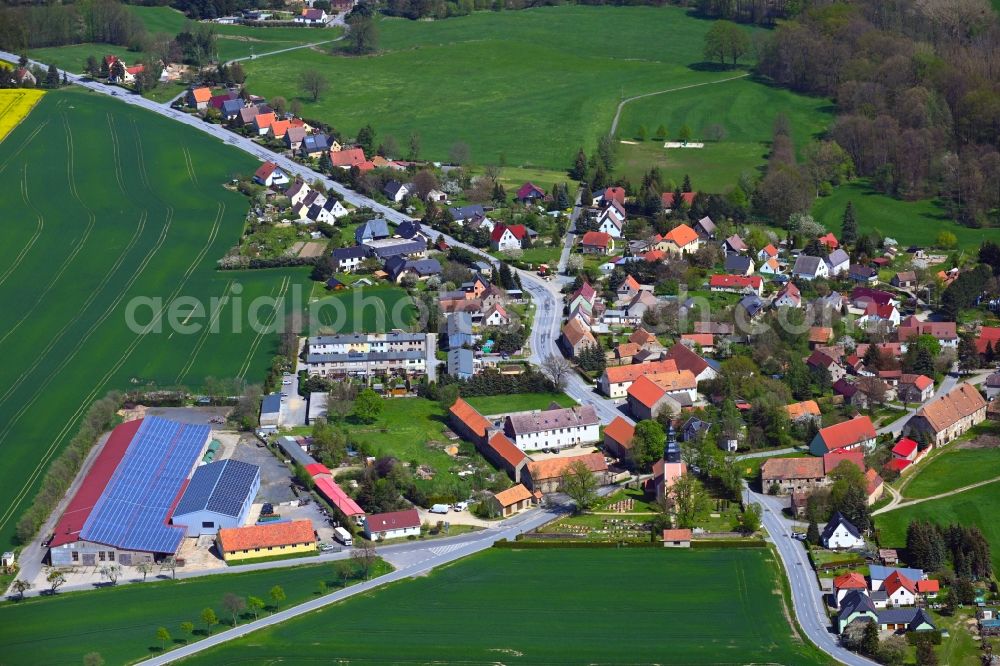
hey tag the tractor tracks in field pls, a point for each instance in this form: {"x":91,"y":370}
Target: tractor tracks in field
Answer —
{"x":279,"y":300}
{"x":38,"y":228}
{"x":621,"y":104}
{"x":78,"y":246}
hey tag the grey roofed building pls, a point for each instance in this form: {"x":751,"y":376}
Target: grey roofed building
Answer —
{"x":231,"y":108}
{"x":372,"y":230}
{"x":270,"y":410}
{"x":367,"y":357}
{"x":738,"y":264}
{"x":357,"y":338}
{"x":806,"y":266}
{"x":879,"y":572}
{"x":459,"y":329}
{"x":694,"y":428}
{"x":752,"y":304}
{"x":315,"y":143}
{"x":392,"y":189}
{"x":294,"y":451}
{"x":354,"y":252}
{"x":247,"y":114}
{"x":408,"y":229}
{"x":461,"y":363}
{"x":838,"y":257}
{"x":705,"y":226}
{"x":396,"y":266}
{"x":570,"y":417}
{"x":218,"y":494}
{"x":463,"y":213}
{"x":391,"y":247}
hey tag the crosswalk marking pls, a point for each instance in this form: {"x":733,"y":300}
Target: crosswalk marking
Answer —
{"x":442,"y":550}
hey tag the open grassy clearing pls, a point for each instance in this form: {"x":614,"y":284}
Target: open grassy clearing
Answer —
{"x":909,"y":222}
{"x":233,"y":41}
{"x":533,"y":85}
{"x":120,"y":623}
{"x":107,"y":204}
{"x":977,"y":507}
{"x":953,"y":469}
{"x":366,"y":309}
{"x":666,"y":607}
{"x":502,"y":404}
{"x":745,"y":108}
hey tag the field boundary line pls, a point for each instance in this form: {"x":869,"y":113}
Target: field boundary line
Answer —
{"x":223,"y":302}
{"x":24,"y":144}
{"x":920,"y":500}
{"x":621,"y":104}
{"x":92,"y":221}
{"x":38,"y":228}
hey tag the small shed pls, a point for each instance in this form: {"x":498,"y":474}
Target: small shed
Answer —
{"x":676,"y":538}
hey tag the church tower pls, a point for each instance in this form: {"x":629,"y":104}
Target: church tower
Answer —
{"x":672,"y":450}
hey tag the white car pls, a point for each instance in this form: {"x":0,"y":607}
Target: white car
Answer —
{"x":286,"y":382}
{"x":461,"y":506}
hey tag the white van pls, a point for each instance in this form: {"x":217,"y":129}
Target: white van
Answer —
{"x":440,"y":508}
{"x":343,"y":536}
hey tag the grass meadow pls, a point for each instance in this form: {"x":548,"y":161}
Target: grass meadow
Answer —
{"x":532,"y":86}
{"x":503,"y":404}
{"x":909,"y":222}
{"x":973,"y":507}
{"x":953,"y":469}
{"x":120,"y":623}
{"x":745,"y":109}
{"x":107,"y":204}
{"x":233,"y":41}
{"x":366,"y":309}
{"x":557,"y":606}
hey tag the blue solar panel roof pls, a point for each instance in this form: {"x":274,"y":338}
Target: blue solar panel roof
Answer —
{"x":221,"y":486}
{"x":134,"y":508}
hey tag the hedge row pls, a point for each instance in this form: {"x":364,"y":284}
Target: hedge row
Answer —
{"x":729,"y":543}
{"x":703,"y":545}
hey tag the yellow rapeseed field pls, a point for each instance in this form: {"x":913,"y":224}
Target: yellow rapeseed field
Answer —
{"x":15,"y":104}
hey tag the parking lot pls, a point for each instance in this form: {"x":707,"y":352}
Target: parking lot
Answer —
{"x":275,"y":478}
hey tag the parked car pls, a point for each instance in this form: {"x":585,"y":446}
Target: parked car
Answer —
{"x":461,"y":506}
{"x":440,"y":508}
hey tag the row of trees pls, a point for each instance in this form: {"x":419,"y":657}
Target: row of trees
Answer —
{"x":930,"y":546}
{"x":24,"y":27}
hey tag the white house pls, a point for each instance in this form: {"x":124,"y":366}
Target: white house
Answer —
{"x":612,"y":219}
{"x":840,"y":533}
{"x":838,"y":262}
{"x":900,"y":590}
{"x":810,"y":268}
{"x":506,"y":237}
{"x":218,"y":495}
{"x":496,"y":316}
{"x":270,"y":174}
{"x":553,"y":428}
{"x":348,"y":259}
{"x":297,"y":192}
{"x":380,"y":526}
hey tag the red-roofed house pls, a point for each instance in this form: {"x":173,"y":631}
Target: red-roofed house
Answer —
{"x":610,"y":194}
{"x":266,"y":540}
{"x":847,"y":582}
{"x":262,"y":122}
{"x":874,"y":486}
{"x":597,"y":242}
{"x":618,"y":437}
{"x":792,"y":474}
{"x":468,"y":423}
{"x":944,"y":332}
{"x":704,"y":341}
{"x":196,"y":97}
{"x":830,"y":241}
{"x":392,"y":525}
{"x":737,"y":284}
{"x":508,"y":237}
{"x":269,"y":174}
{"x":677,"y":538}
{"x":948,"y":417}
{"x":906,"y":449}
{"x":834,"y":459}
{"x":616,"y":380}
{"x":928,"y":588}
{"x":649,"y":393}
{"x":667,"y":199}
{"x":858,"y":432}
{"x":682,"y":239}
{"x":900,"y":590}
{"x":528,"y":193}
{"x":514,"y":499}
{"x":347,"y":158}
{"x":988,"y":336}
{"x":915,"y":388}
{"x":505,"y":455}
{"x":685,"y":359}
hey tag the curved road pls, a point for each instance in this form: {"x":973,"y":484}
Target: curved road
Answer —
{"x":807,"y":600}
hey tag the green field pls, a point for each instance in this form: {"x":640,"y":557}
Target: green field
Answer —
{"x":640,"y":606}
{"x":120,"y":623}
{"x":233,"y":41}
{"x":745,"y":108}
{"x":502,"y":404}
{"x":106,"y":204}
{"x":953,"y":469}
{"x":531,"y":85}
{"x":366,"y":309}
{"x":909,"y":222}
{"x":977,"y":507}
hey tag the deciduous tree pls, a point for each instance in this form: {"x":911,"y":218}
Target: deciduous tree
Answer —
{"x":580,"y":484}
{"x":313,"y":84}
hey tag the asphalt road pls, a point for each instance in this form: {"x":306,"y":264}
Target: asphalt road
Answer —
{"x":806,"y":597}
{"x":810,"y":609}
{"x":425,"y":557}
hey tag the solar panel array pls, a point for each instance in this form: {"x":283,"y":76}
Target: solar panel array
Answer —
{"x":132,"y":512}
{"x":221,"y":486}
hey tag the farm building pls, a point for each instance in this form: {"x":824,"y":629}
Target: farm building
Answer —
{"x":121,"y":512}
{"x":858,"y":432}
{"x":270,"y":410}
{"x":680,"y":538}
{"x":513,"y":500}
{"x":553,"y":428}
{"x":219,"y":495}
{"x":949,"y":416}
{"x":393,"y":525}
{"x":266,"y":540}
{"x":545,"y":476}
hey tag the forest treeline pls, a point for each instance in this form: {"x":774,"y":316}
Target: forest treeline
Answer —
{"x":917,"y":91}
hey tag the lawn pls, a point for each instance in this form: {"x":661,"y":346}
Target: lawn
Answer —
{"x":365,"y":310}
{"x":973,"y":507}
{"x":120,"y":623}
{"x":953,"y":469}
{"x":232,"y":41}
{"x":745,"y":109}
{"x":529,"y":86}
{"x":666,"y":608}
{"x":909,"y":222}
{"x":503,"y":404}
{"x":133,"y":215}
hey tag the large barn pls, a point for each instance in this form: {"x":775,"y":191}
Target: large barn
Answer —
{"x":121,"y":512}
{"x":219,"y":495}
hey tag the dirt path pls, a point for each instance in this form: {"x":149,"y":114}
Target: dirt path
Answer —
{"x":895,"y":504}
{"x":621,"y":104}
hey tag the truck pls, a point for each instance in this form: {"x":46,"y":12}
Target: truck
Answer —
{"x":343,"y":536}
{"x":440,"y":508}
